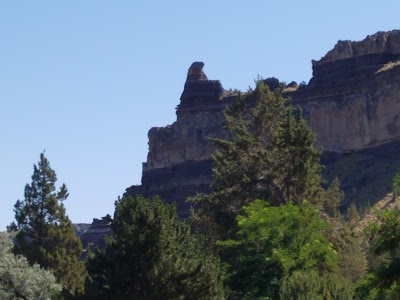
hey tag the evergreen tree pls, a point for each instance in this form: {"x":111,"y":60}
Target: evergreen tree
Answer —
{"x":19,"y":280}
{"x":396,"y":186}
{"x":333,"y":197}
{"x":152,"y":255}
{"x":45,"y":233}
{"x":352,"y":215}
{"x":311,"y":285}
{"x":270,"y":156}
{"x":383,"y":278}
{"x":298,"y":172}
{"x":352,"y":262}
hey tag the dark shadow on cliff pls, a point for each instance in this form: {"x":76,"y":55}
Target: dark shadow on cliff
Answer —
{"x":366,"y":175}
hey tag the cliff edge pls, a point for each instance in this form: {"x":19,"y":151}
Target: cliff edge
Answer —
{"x":352,"y":103}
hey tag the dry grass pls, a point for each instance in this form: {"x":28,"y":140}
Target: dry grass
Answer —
{"x":388,"y":66}
{"x":386,"y":203}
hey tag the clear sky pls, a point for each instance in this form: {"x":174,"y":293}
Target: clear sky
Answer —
{"x":87,"y":79}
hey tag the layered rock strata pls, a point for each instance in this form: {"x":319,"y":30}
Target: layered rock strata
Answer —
{"x":92,"y":235}
{"x":352,"y":103}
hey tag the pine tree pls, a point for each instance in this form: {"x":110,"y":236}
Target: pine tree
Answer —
{"x":333,"y":197}
{"x":152,"y":255}
{"x":352,"y":215}
{"x":270,"y":156}
{"x":45,"y":233}
{"x":298,"y":171}
{"x":383,"y":278}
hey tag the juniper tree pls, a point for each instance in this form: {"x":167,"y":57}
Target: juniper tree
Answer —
{"x":270,"y":156}
{"x":152,"y":255}
{"x":382,"y":280}
{"x":45,"y":233}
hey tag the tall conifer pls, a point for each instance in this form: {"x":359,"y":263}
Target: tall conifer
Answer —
{"x":45,"y":233}
{"x":270,"y":156}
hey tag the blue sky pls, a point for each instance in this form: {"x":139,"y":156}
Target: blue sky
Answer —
{"x":87,"y":79}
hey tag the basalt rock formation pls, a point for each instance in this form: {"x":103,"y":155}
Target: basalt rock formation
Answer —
{"x":352,"y":103}
{"x":92,"y":235}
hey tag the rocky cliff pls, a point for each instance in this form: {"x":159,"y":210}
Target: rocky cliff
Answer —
{"x":92,"y":235}
{"x":352,"y":103}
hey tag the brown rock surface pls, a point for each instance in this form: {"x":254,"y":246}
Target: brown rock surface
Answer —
{"x":93,"y":234}
{"x":352,"y":103}
{"x":380,"y":42}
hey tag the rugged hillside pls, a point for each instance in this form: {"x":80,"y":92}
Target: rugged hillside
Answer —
{"x":352,"y":103}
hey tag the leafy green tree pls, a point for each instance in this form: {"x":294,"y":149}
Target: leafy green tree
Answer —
{"x":383,"y":280}
{"x":271,"y":244}
{"x":19,"y":280}
{"x":45,"y":233}
{"x":270,"y":156}
{"x":152,"y":255}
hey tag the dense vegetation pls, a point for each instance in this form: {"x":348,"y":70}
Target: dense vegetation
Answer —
{"x":270,"y":229}
{"x":45,"y":235}
{"x":152,"y":255}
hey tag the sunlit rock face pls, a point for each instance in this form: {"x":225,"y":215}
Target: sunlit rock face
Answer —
{"x":179,"y":158}
{"x":353,"y":100}
{"x":352,"y":103}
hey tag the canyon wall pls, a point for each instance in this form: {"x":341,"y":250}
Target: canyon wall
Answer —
{"x":352,"y":103}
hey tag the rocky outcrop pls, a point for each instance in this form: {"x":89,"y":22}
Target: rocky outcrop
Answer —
{"x":381,"y":43}
{"x":352,"y":104}
{"x":179,"y":158}
{"x":353,"y":99}
{"x":92,"y":235}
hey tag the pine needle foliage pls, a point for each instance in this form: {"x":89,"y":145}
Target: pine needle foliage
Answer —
{"x":45,"y":233}
{"x":270,"y":156}
{"x":152,"y":255}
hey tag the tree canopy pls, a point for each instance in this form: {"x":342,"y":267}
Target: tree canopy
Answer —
{"x":272,"y":243}
{"x":383,"y":278}
{"x":271,"y":156}
{"x":19,"y":280}
{"x":152,"y":255}
{"x":45,"y":234}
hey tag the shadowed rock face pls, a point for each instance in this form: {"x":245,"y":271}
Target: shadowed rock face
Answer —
{"x":92,"y":235}
{"x":352,"y":103}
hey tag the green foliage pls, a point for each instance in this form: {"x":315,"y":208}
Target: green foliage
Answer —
{"x":383,"y":281}
{"x":271,"y":244}
{"x":19,"y":280}
{"x":352,"y":215}
{"x":152,"y":255}
{"x":351,"y":260}
{"x":396,"y":185}
{"x":333,"y":197}
{"x":310,"y":285}
{"x":270,"y":156}
{"x":298,"y":172}
{"x":45,"y":233}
